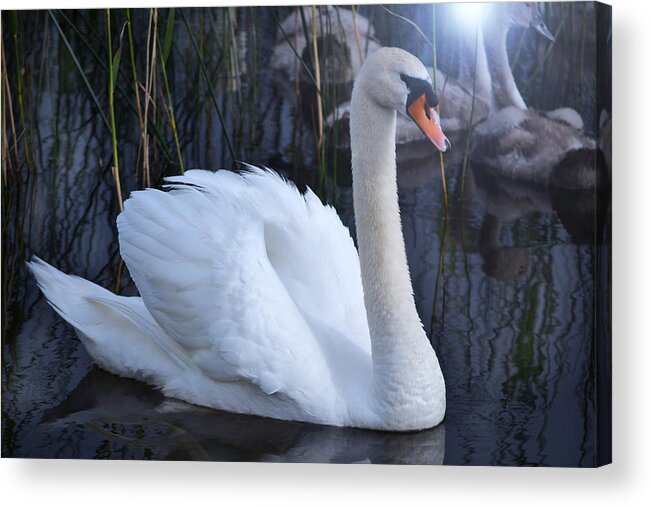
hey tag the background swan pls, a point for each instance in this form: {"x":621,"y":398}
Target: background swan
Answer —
{"x":516,"y":141}
{"x":459,"y":109}
{"x":253,"y":298}
{"x":340,"y":24}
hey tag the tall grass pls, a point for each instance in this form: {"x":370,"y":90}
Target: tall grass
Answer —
{"x":113,"y":65}
{"x":209,"y":83}
{"x":317,"y":82}
{"x":358,"y":39}
{"x":142,"y":115}
{"x":164,"y":50}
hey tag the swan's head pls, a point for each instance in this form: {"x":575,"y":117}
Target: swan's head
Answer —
{"x":396,"y":79}
{"x":525,"y":15}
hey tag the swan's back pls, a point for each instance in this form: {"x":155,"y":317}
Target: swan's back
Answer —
{"x":242,"y":269}
{"x":242,"y":223}
{"x":250,"y":292}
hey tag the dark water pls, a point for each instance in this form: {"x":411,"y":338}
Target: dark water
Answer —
{"x":513,"y":312}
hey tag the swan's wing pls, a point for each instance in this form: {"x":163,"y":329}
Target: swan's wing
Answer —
{"x":118,"y":332}
{"x":247,"y":275}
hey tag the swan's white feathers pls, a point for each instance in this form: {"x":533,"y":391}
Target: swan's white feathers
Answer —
{"x":226,"y":265}
{"x":133,"y":345}
{"x":524,"y":144}
{"x":251,"y":293}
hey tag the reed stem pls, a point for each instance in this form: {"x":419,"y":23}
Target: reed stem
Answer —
{"x":441,"y":161}
{"x":113,"y":60}
{"x":136,"y":90}
{"x":211,"y":89}
{"x":444,"y":192}
{"x":100,"y":109}
{"x":169,"y":109}
{"x":150,"y":79}
{"x":7,"y":111}
{"x":317,"y":76}
{"x":358,"y":40}
{"x":472,"y":115}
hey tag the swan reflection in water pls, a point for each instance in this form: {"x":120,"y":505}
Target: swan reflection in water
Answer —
{"x":498,"y":202}
{"x":128,"y":419}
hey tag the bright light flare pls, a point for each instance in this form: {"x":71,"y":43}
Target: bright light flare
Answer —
{"x":468,"y":15}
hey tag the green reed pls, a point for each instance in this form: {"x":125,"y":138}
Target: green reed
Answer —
{"x":466,"y":151}
{"x":291,"y":45}
{"x":114,"y":64}
{"x":254,"y":63}
{"x":136,"y":93}
{"x":211,"y":89}
{"x":164,"y":49}
{"x":82,"y":74}
{"x":358,"y":40}
{"x":319,"y":98}
{"x":14,"y":27}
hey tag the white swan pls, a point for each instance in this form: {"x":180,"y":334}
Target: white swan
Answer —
{"x":253,"y":298}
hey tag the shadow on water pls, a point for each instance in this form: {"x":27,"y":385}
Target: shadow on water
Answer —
{"x":514,"y":316}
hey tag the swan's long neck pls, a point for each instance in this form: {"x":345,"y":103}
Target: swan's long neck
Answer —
{"x":402,"y":354}
{"x":475,"y":51}
{"x":505,"y":91}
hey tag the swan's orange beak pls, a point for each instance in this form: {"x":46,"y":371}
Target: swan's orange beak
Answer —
{"x":428,"y":120}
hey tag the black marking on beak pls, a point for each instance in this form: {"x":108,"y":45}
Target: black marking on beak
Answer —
{"x":417,"y":87}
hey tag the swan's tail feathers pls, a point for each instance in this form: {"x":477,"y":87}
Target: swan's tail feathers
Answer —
{"x":118,"y":332}
{"x":63,"y":292}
